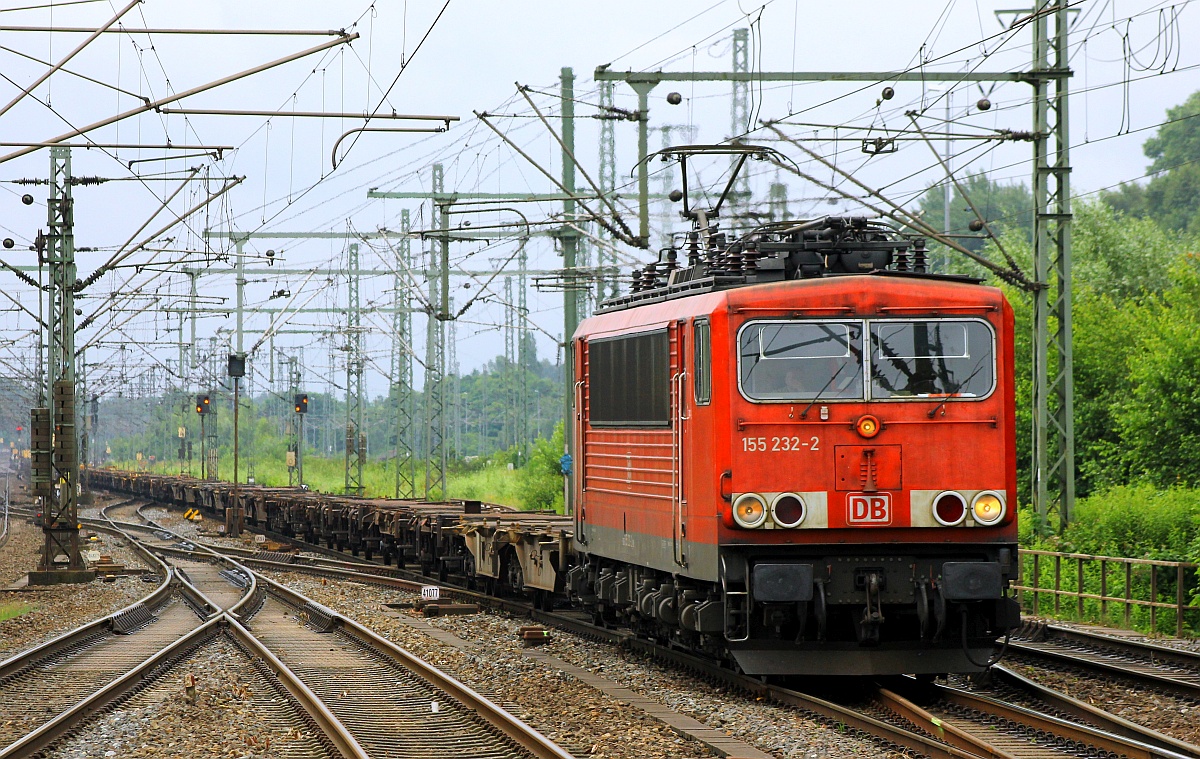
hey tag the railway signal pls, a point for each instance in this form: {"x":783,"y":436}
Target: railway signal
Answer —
{"x":202,"y":403}
{"x":302,"y":403}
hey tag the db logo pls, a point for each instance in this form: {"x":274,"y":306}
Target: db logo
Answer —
{"x":869,"y":509}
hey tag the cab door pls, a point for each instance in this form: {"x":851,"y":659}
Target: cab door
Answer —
{"x":681,"y":452}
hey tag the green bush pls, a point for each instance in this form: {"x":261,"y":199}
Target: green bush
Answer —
{"x":491,"y":481}
{"x":1137,"y":521}
{"x":1133,"y":521}
{"x":540,"y":482}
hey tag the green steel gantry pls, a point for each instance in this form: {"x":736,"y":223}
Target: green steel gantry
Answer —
{"x":356,"y":440}
{"x":566,"y":233}
{"x":1053,"y":385}
{"x":59,"y":490}
{"x":402,"y":368}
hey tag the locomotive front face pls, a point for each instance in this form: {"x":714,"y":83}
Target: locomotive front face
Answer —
{"x":871,"y":504}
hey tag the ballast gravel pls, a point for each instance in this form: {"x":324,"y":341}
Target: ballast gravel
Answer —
{"x":47,"y":611}
{"x":580,"y":718}
{"x":237,"y":712}
{"x":1168,"y":714}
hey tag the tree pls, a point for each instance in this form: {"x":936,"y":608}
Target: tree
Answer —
{"x":1121,"y":266}
{"x":1007,"y":208}
{"x":1159,"y":421}
{"x":540,"y":481}
{"x":1119,"y":256}
{"x":1172,"y":196}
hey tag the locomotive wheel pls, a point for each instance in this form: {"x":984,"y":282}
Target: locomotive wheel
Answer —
{"x":924,"y":615}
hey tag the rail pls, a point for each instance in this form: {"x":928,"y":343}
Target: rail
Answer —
{"x":105,"y":624}
{"x":501,"y":719}
{"x":1134,"y":586}
{"x":60,"y":725}
{"x":988,"y":727}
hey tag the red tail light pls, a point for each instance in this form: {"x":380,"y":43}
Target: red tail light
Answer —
{"x":949,"y":508}
{"x":787,"y":510}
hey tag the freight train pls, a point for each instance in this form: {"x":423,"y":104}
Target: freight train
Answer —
{"x":795,"y":451}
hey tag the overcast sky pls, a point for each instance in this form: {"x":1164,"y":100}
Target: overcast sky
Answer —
{"x":1131,"y":62}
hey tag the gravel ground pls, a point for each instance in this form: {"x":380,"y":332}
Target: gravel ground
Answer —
{"x":772,"y":729}
{"x":55,"y":609}
{"x":237,"y":714}
{"x":595,"y":725}
{"x":1176,"y":717}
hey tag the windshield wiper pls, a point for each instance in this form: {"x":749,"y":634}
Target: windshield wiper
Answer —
{"x":957,"y":387}
{"x":817,"y":397}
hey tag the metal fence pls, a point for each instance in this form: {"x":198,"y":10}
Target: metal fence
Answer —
{"x":1100,"y":585}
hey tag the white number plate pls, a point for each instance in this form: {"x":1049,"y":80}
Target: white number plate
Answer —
{"x":430,"y":592}
{"x":783,"y":444}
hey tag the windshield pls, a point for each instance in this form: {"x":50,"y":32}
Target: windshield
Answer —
{"x":801,"y":360}
{"x":944,"y":358}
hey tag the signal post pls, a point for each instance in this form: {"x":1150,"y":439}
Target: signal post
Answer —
{"x":301,"y":408}
{"x":203,"y":404}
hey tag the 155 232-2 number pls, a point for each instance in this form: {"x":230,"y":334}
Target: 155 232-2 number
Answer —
{"x":781,"y":443}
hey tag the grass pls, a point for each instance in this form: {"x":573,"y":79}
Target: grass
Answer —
{"x":494,"y":484}
{"x":13,"y":610}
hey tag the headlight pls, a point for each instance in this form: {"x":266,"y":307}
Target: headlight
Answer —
{"x":750,"y":510}
{"x":949,"y":508}
{"x":788,"y":510}
{"x":867,"y":426}
{"x":987,"y":508}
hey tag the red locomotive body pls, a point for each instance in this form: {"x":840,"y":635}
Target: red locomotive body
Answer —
{"x":806,"y":470}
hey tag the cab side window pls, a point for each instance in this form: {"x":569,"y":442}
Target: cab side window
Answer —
{"x":702,"y":362}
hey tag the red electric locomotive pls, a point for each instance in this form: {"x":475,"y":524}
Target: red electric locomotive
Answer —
{"x":797,"y":450}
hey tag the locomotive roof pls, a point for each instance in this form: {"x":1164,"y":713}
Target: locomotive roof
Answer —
{"x":812,"y":249}
{"x":881,"y":294}
{"x":718,"y":283}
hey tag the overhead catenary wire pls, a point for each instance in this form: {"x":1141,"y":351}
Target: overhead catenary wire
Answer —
{"x":465,"y":161}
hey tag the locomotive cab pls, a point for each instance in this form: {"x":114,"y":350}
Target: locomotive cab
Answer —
{"x":797,"y":451}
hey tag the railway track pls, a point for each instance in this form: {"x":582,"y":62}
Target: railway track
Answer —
{"x":1037,"y":727}
{"x":48,"y":689}
{"x":1165,"y":669}
{"x":393,"y":706}
{"x":955,"y":723}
